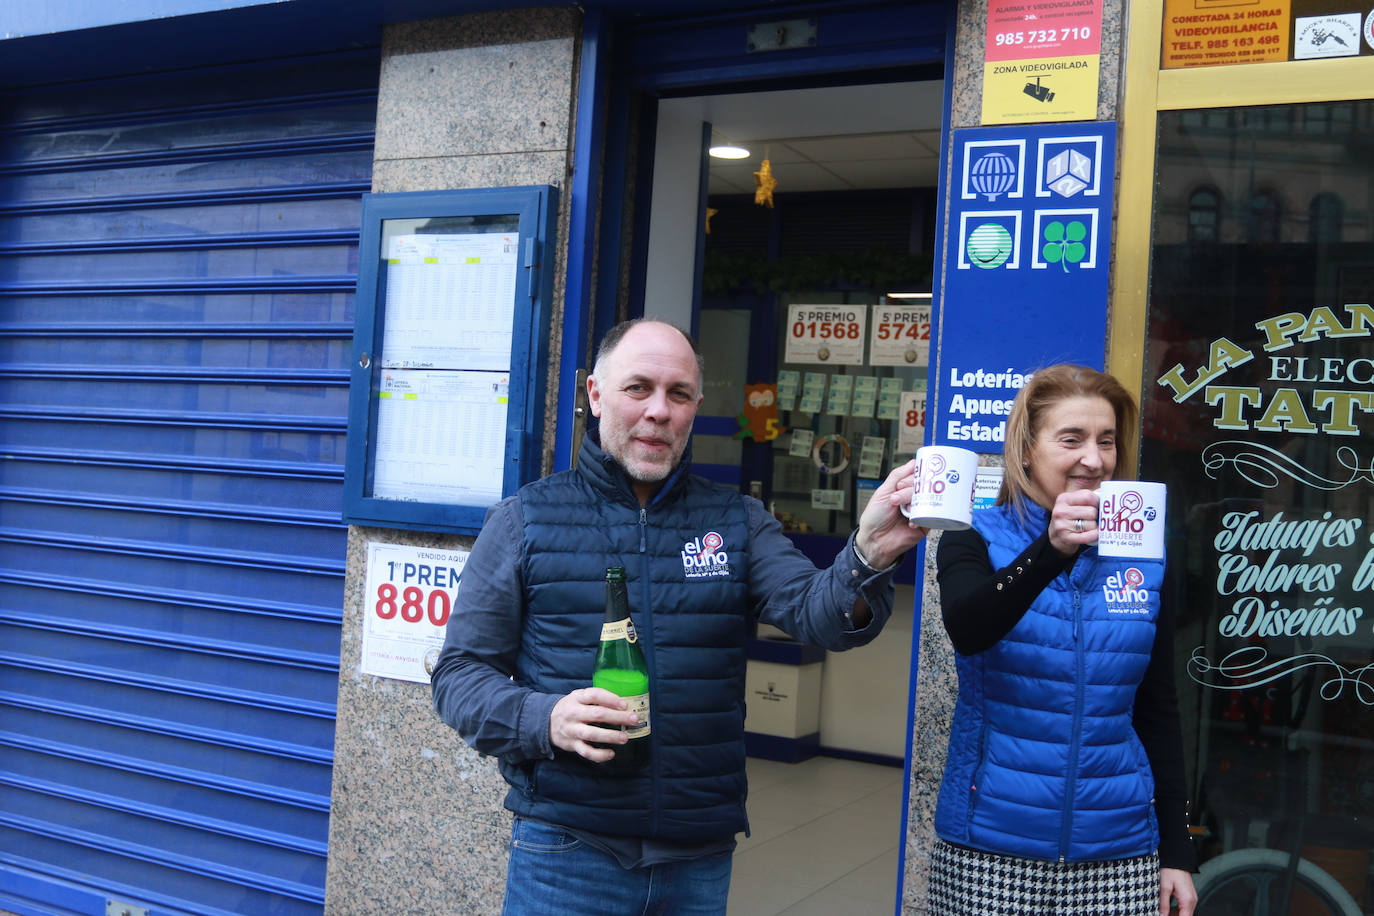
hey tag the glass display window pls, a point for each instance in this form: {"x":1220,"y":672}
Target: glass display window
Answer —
{"x":846,"y":404}
{"x":816,"y":330}
{"x":1258,"y":409}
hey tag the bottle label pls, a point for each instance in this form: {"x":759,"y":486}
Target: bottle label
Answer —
{"x":639,"y":706}
{"x":620,"y":629}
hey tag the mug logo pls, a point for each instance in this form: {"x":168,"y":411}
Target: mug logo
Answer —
{"x":1123,"y":515}
{"x":932,"y":473}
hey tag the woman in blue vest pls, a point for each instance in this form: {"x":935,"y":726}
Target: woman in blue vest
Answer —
{"x":1063,"y":792}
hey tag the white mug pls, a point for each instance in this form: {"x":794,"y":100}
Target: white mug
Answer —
{"x":1130,"y":519}
{"x":943,"y":492}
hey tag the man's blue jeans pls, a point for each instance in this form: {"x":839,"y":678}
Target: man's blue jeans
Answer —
{"x":552,"y":873}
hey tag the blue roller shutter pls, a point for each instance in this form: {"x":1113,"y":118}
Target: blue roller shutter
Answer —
{"x":177,"y":265}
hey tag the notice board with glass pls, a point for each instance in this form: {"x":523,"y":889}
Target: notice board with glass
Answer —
{"x":449,"y":356}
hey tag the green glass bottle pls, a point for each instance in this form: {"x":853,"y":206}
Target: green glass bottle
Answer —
{"x":620,"y":669}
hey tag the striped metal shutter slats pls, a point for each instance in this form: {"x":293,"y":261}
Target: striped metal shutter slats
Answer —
{"x":178,"y":258}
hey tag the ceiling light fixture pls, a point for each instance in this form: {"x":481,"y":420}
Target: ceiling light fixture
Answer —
{"x":908,"y":295}
{"x":729,"y":152}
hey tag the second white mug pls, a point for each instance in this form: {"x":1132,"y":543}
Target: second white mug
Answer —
{"x":1130,"y":519}
{"x":943,"y":495}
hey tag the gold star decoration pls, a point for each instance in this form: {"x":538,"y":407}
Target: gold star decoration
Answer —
{"x":764,"y":184}
{"x":710,"y":212}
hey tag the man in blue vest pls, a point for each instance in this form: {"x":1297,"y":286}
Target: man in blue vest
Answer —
{"x":517,"y":661}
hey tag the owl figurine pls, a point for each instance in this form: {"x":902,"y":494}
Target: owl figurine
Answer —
{"x":759,"y":420}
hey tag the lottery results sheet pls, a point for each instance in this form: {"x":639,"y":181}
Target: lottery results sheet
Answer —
{"x":441,"y":436}
{"x":444,"y":385}
{"x":449,"y":301}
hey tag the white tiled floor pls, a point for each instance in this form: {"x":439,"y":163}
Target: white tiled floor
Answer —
{"x":824,"y":840}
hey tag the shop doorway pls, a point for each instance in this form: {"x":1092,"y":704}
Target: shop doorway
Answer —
{"x":851,"y":225}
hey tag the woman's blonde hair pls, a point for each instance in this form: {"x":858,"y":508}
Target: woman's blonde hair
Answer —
{"x":1046,"y":388}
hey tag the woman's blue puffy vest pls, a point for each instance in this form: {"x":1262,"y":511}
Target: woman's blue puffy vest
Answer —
{"x":693,"y":619}
{"x":1043,"y":762}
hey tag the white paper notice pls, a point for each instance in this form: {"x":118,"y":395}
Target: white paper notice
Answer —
{"x":841,"y":389}
{"x":801,"y":443}
{"x":889,"y":398}
{"x":825,"y":334}
{"x":900,"y":335}
{"x":871,"y":456}
{"x":863,"y":494}
{"x":410,"y":594}
{"x":450,"y":301}
{"x":788,"y":380}
{"x":865,"y":395}
{"x":986,"y":487}
{"x":813,"y":392}
{"x":827,"y":499}
{"x":441,"y":436}
{"x":911,"y":421}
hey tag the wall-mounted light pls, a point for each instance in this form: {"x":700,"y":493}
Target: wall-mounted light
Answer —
{"x":729,"y":152}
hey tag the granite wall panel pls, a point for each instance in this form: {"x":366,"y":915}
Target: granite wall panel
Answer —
{"x":416,"y":821}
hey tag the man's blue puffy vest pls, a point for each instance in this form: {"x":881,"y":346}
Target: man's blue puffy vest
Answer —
{"x":1043,"y":761}
{"x":686,"y":559}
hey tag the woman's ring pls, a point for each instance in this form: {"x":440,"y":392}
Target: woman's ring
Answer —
{"x":1078,"y":526}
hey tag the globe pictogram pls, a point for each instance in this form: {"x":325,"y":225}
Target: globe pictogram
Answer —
{"x":993,"y":174}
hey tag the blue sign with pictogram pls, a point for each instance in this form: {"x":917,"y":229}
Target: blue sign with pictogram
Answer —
{"x":1025,"y":276}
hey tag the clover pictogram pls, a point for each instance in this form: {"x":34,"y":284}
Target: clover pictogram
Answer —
{"x":1064,"y":243}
